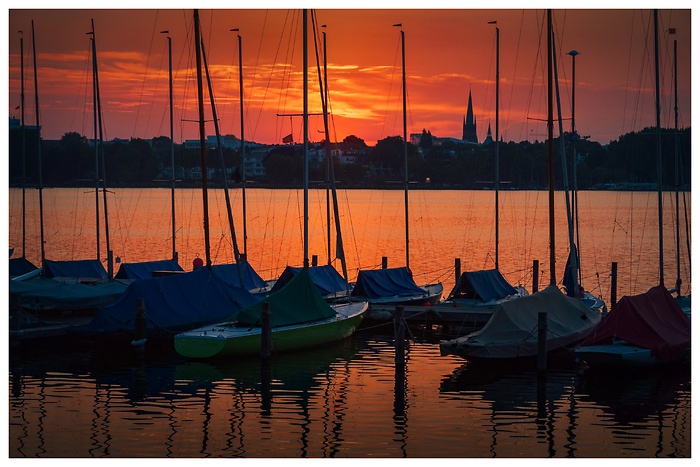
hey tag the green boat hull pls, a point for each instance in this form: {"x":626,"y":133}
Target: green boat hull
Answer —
{"x":228,"y":341}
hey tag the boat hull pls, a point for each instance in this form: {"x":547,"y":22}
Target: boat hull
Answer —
{"x":616,"y":356}
{"x":225,"y":340}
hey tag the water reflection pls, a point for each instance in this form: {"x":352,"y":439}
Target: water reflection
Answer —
{"x":365,"y":397}
{"x":642,"y":414}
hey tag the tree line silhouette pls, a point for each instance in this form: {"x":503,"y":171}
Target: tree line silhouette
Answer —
{"x":629,"y":161}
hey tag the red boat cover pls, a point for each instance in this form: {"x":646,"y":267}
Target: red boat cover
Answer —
{"x":652,"y":320}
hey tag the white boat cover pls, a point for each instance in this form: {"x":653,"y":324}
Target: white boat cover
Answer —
{"x":512,"y":331}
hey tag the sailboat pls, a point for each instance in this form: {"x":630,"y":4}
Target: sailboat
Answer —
{"x":648,"y":329}
{"x":300,"y":316}
{"x":21,"y":265}
{"x":72,"y":285}
{"x":511,"y":331}
{"x":396,"y":286}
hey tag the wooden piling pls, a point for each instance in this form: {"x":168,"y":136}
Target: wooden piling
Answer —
{"x":399,"y":336}
{"x":613,"y":286}
{"x":535,"y":275}
{"x":139,"y":324}
{"x":314,"y":260}
{"x":266,"y":332}
{"x":458,"y":269}
{"x":385,"y":262}
{"x":542,"y":341}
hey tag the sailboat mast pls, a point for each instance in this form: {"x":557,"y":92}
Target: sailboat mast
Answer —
{"x":676,"y":162}
{"x":550,"y":136}
{"x":405,"y":141}
{"x":24,"y":150}
{"x":39,"y":168}
{"x":172,"y":144}
{"x":658,"y":148}
{"x":243,"y":174}
{"x":573,"y":254}
{"x":305,"y":42}
{"x":202,"y":139}
{"x":97,"y":163}
{"x":215,"y":118}
{"x":340,"y":253}
{"x":497,"y":163}
{"x":101,"y":153}
{"x":329,"y":160}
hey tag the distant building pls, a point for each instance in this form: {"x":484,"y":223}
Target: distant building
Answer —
{"x":489,"y":139}
{"x":469,"y":126}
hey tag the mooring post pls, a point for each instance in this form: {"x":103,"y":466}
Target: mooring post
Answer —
{"x":139,"y":324}
{"x":542,"y":341}
{"x":16,"y":310}
{"x":266,"y":333}
{"x":110,"y":264}
{"x":535,"y":275}
{"x":399,"y":333}
{"x":613,"y":286}
{"x":458,"y":269}
{"x":314,"y":260}
{"x":385,"y":262}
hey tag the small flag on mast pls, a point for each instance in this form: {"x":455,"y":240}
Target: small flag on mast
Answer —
{"x":288,"y":139}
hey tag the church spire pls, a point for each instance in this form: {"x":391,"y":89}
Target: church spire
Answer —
{"x":469,"y":126}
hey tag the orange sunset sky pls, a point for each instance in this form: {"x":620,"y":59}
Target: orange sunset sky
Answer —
{"x":449,"y":52}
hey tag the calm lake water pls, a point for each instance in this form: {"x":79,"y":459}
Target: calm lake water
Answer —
{"x":350,"y":399}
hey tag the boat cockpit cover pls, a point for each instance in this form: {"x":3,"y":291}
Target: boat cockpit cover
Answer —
{"x":652,"y":320}
{"x":485,"y":285}
{"x":173,"y":303}
{"x":144,"y":270}
{"x":390,"y":282}
{"x":327,"y":279}
{"x":229,"y":273}
{"x":82,"y":268}
{"x":297,"y":302}
{"x":20,"y":266}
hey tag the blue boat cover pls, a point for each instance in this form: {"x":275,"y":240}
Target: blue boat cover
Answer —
{"x":229,"y":274}
{"x":390,"y":282}
{"x":297,"y":302}
{"x":82,"y":268}
{"x":327,"y":279}
{"x":144,"y":269}
{"x":486,"y":285}
{"x":173,"y":303}
{"x":20,"y":266}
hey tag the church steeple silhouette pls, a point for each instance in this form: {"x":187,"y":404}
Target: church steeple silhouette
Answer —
{"x":469,"y":127}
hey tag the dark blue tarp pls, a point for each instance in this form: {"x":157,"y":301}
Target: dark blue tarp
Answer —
{"x":173,"y":303}
{"x":483,"y":285}
{"x":82,"y":268}
{"x":145,"y":269}
{"x":229,"y":274}
{"x":390,"y":282}
{"x":20,"y":266}
{"x":328,"y":281}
